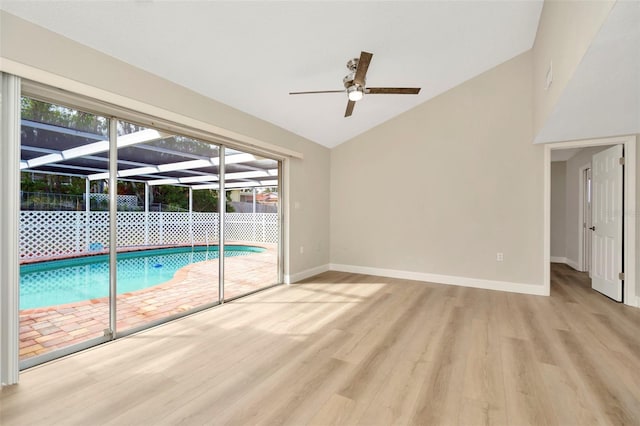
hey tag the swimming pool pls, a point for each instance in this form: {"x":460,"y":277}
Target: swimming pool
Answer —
{"x":72,"y":280}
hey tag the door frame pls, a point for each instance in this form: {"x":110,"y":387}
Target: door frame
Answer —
{"x":629,"y":216}
{"x":581,"y":220}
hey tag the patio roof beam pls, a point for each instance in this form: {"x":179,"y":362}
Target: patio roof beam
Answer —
{"x":93,"y":148}
{"x":172,"y":152}
{"x":249,"y":184}
{"x":179,"y":166}
{"x":89,"y":157}
{"x":64,"y":166}
{"x":47,"y":172}
{"x":230,"y":159}
{"x":209,"y":178}
{"x":252,"y":174}
{"x":163,"y":168}
{"x":60,"y":129}
{"x":190,"y":179}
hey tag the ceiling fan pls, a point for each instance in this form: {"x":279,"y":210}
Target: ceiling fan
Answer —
{"x":355,"y":84}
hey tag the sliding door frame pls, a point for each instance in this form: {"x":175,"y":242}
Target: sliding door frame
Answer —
{"x":114,"y":113}
{"x":9,"y":228}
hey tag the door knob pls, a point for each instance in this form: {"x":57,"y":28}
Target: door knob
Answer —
{"x":593,"y":228}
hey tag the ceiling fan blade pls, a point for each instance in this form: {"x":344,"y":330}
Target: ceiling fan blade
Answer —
{"x":363,"y":66}
{"x":317,"y":91}
{"x":349,"y":110}
{"x":393,"y":90}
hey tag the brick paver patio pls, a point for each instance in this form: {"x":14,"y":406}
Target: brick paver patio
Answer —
{"x":46,"y":329}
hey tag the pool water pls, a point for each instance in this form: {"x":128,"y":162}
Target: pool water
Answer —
{"x":72,"y":280}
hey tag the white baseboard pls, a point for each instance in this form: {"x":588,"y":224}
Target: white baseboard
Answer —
{"x":444,"y":279}
{"x":573,"y":264}
{"x":298,"y":276}
{"x":566,"y":261}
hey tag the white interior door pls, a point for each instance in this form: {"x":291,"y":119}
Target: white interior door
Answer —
{"x":586,"y":225}
{"x":607,"y":210}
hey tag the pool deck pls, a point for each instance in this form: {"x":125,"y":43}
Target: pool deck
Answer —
{"x":46,"y":329}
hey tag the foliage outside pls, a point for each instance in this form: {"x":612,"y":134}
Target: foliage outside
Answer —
{"x":172,"y":198}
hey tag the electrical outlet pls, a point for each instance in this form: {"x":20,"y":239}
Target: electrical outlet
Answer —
{"x":301,"y":249}
{"x":499,"y":257}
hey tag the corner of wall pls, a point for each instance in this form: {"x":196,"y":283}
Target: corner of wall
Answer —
{"x":565,"y":31}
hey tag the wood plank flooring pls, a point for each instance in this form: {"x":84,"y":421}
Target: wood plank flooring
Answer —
{"x":354,"y":349}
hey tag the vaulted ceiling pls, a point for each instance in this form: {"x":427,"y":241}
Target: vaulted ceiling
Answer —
{"x":250,"y":55}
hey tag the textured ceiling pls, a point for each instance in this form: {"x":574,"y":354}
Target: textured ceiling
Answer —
{"x":249,"y":55}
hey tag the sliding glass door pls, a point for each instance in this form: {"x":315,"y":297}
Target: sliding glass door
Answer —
{"x":251,"y":224}
{"x":121,"y":225}
{"x":167,"y":232}
{"x":64,"y":232}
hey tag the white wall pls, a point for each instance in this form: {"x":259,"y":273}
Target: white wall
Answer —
{"x":558,"y":210}
{"x":28,"y":44}
{"x":565,"y":31}
{"x":442,"y":188}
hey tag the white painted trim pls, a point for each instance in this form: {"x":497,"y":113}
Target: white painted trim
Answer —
{"x":630,"y":217}
{"x":546,"y":223}
{"x":573,"y":264}
{"x":294,"y":278}
{"x":9,"y":228}
{"x":629,"y":142}
{"x":565,"y":260}
{"x":581,"y":263}
{"x":28,"y":72}
{"x":284,"y":219}
{"x":444,"y":279}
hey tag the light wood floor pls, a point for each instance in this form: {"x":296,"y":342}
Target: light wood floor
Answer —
{"x":354,"y":349}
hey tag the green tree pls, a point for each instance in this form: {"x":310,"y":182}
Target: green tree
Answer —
{"x":57,"y":115}
{"x":206,"y":200}
{"x":37,"y":182}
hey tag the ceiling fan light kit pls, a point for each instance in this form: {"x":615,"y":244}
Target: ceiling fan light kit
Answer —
{"x":355,"y":92}
{"x":355,"y":85}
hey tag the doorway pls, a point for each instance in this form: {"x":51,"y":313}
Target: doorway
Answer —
{"x":581,"y":259}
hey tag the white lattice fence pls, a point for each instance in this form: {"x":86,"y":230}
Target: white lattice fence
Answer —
{"x":49,"y":233}
{"x":155,"y":235}
{"x":205,"y":228}
{"x":260,"y":227}
{"x":175,"y":228}
{"x":131,"y":229}
{"x":98,"y":225}
{"x":58,"y":233}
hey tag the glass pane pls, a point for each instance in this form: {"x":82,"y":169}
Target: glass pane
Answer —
{"x":167,"y":231}
{"x":251,"y":223}
{"x":64,"y":233}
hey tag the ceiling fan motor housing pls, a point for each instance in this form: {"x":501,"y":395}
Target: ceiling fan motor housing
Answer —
{"x":352,"y":65}
{"x":348,"y":80}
